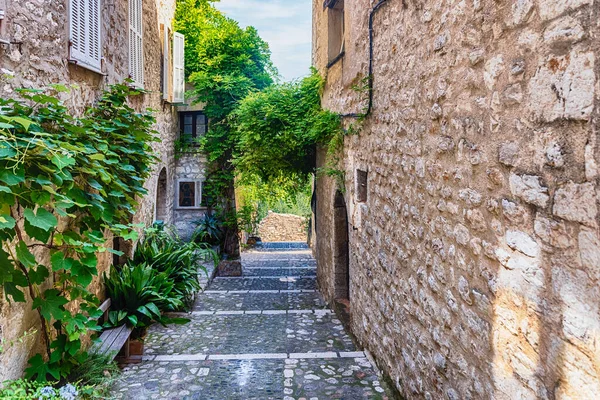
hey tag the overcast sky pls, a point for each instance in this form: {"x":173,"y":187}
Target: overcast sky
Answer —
{"x":284,"y":24}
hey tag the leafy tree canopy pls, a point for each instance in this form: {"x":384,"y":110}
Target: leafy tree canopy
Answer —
{"x":277,"y":131}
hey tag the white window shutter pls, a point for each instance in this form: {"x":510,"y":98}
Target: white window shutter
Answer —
{"x":85,"y":33}
{"x":136,"y":43}
{"x":178,"y":68}
{"x":166,"y":63}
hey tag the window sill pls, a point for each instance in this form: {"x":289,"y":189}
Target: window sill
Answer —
{"x":86,"y":66}
{"x":191,"y":208}
{"x":336,"y":59}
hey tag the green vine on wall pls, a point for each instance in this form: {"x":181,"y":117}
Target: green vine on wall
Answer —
{"x":65,"y":182}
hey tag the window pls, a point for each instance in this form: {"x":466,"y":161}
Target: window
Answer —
{"x":192,"y":125}
{"x":84,"y":34}
{"x":136,"y":43}
{"x":189,"y":194}
{"x":335,"y":31}
{"x":361,"y":186}
{"x":178,"y":68}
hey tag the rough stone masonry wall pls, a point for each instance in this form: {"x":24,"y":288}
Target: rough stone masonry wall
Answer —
{"x":277,"y":227}
{"x":475,"y":261}
{"x":42,"y":27}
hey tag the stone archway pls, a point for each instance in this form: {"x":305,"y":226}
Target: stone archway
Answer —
{"x":341,"y":253}
{"x":161,"y":197}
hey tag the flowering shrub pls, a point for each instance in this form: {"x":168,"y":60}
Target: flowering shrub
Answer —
{"x":23,"y":389}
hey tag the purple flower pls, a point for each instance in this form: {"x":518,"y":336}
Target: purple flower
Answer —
{"x":47,"y":391}
{"x":68,"y":392}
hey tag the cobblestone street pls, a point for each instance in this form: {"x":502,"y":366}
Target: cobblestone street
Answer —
{"x":266,"y":335}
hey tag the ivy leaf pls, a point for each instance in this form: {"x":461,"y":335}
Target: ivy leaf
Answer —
{"x":51,"y":305}
{"x":6,"y":222}
{"x":5,"y":189}
{"x":10,"y":289}
{"x":6,"y":151}
{"x":36,"y":233}
{"x":38,"y":275}
{"x":25,"y":123}
{"x":12,"y":177}
{"x":62,"y":161}
{"x":24,"y":255}
{"x":39,"y":370}
{"x":40,"y":197}
{"x":6,"y":267}
{"x":76,"y":326}
{"x":59,"y":262}
{"x":83,"y":273}
{"x":43,"y":219}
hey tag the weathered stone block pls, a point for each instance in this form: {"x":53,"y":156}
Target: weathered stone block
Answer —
{"x":589,"y":251}
{"x":529,"y":189}
{"x":523,"y":243}
{"x":576,"y":202}
{"x":549,"y":9}
{"x":561,"y":87}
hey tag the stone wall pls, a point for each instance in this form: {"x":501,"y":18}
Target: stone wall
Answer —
{"x":282,"y":228}
{"x":42,"y":28}
{"x":475,"y":259}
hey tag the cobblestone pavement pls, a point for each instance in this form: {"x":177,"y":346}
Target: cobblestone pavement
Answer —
{"x":266,"y":335}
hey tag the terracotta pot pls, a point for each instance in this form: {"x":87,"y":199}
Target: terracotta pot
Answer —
{"x":136,"y":347}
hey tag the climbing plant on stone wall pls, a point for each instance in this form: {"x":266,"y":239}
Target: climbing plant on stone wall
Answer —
{"x":65,"y":182}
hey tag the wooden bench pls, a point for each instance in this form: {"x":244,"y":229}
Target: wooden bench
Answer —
{"x":112,"y":340}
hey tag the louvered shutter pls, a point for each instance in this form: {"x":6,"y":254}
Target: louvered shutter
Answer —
{"x":136,"y":43}
{"x":178,"y":68}
{"x":85,"y":33}
{"x":166,"y":63}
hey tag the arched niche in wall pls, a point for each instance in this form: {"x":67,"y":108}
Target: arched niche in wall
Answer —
{"x":341,"y":254}
{"x":161,"y":196}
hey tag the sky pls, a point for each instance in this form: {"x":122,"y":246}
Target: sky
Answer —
{"x":284,"y":24}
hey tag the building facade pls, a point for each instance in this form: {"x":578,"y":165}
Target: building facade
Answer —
{"x":464,"y":239}
{"x":90,"y":44}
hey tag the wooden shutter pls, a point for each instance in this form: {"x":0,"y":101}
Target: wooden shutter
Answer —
{"x":85,"y":33}
{"x":166,"y":63}
{"x":136,"y":43}
{"x":178,"y":68}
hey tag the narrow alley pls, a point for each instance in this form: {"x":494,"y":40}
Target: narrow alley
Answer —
{"x":265,"y":335}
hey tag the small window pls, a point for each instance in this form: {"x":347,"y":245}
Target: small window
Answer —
{"x":136,"y":43}
{"x":189,"y":194}
{"x":192,"y":125}
{"x":335,"y":31}
{"x":85,"y":34}
{"x":361,"y":186}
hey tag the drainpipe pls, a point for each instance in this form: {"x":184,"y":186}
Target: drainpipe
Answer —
{"x":370,"y":105}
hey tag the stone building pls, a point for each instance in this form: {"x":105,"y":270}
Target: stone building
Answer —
{"x":465,"y":236}
{"x":91,"y":44}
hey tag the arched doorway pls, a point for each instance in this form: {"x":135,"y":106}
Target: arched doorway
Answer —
{"x":161,"y":197}
{"x":341,"y":254}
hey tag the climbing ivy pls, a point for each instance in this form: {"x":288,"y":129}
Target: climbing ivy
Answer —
{"x":278,"y":131}
{"x":65,"y":182}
